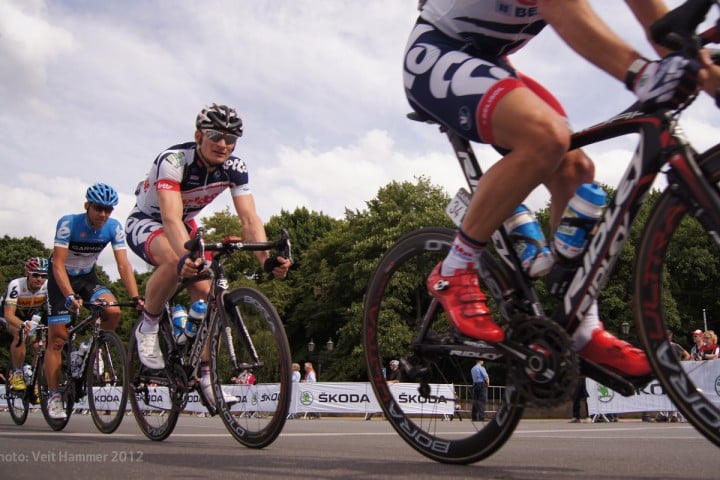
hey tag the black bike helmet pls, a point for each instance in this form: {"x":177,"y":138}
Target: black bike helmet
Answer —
{"x":102,"y":194}
{"x":220,"y":117}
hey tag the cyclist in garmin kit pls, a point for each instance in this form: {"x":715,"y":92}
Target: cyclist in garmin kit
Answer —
{"x":182,"y":181}
{"x":456,"y":71}
{"x":79,"y":240}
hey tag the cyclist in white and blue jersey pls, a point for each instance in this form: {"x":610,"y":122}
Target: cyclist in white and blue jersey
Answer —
{"x":182,"y":181}
{"x":79,"y":240}
{"x":456,"y":71}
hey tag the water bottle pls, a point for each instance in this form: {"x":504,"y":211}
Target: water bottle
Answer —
{"x":27,"y":373}
{"x":529,"y":242}
{"x":76,"y":358}
{"x":196,"y":315}
{"x":579,"y":219}
{"x":180,"y":321}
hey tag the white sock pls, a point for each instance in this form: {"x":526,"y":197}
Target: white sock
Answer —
{"x":150,"y":323}
{"x":462,"y":254}
{"x":588,"y":325}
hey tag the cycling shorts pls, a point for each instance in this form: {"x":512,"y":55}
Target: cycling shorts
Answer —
{"x":141,"y":229}
{"x":86,"y":285}
{"x":452,"y":83}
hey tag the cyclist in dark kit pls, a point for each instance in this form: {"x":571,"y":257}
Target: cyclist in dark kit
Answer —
{"x":456,"y":71}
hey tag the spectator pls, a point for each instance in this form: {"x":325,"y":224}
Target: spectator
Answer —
{"x":710,"y":349}
{"x":481,"y":381}
{"x":295,"y":379}
{"x":393,"y":376}
{"x":579,"y":395}
{"x":681,"y":353}
{"x":310,"y":377}
{"x":695,"y":351}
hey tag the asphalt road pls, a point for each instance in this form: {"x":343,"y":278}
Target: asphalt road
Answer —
{"x":351,"y":448}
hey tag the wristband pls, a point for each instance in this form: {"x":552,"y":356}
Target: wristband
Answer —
{"x":635,"y":68}
{"x":69,"y":300}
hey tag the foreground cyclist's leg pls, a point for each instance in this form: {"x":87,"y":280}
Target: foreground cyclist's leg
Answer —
{"x":596,"y":344}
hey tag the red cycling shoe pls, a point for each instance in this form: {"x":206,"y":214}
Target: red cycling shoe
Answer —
{"x":464,"y":303}
{"x":614,"y":354}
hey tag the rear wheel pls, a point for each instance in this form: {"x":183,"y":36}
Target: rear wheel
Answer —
{"x":152,"y":392}
{"x":18,"y":405}
{"x":679,"y":261}
{"x":259,"y":416}
{"x":66,"y":389}
{"x":402,"y":321}
{"x":107,"y":382}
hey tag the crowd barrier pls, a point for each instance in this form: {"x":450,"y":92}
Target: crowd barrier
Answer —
{"x":358,"y":397}
{"x":322,"y":397}
{"x":652,"y":397}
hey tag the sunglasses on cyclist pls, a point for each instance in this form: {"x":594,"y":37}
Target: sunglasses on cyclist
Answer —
{"x":101,"y":208}
{"x":38,"y":275}
{"x":216,"y":136}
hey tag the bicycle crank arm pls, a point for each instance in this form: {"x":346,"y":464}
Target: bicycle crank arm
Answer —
{"x":625,"y":387}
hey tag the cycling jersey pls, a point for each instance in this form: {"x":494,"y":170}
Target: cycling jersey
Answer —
{"x":493,"y":27}
{"x":84,"y":244}
{"x":180,"y":169}
{"x":26,"y":303}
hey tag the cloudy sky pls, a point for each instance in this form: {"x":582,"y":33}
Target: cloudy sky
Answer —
{"x":92,"y":91}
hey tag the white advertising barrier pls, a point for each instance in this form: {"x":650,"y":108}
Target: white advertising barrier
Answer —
{"x":347,"y":397}
{"x":330,"y":397}
{"x":652,"y":397}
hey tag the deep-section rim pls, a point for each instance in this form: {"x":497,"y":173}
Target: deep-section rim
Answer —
{"x":486,"y":440}
{"x":270,"y":431}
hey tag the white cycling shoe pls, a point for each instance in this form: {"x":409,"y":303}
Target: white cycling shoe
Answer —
{"x":210,"y":394}
{"x":148,"y":347}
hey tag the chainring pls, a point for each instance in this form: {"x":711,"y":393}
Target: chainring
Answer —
{"x":545,"y":372}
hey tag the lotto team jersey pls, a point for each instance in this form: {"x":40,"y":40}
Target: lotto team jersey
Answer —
{"x":85,"y":244}
{"x":494,"y":27}
{"x":26,"y":302}
{"x":180,"y":169}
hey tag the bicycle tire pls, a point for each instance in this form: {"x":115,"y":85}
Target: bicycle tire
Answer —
{"x":259,"y":417}
{"x":106,"y":380}
{"x":396,"y":303}
{"x":154,"y":410}
{"x":658,"y":240}
{"x":17,"y":402}
{"x":66,"y":388}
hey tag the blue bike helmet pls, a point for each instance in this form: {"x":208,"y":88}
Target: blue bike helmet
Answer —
{"x":36,"y":265}
{"x":102,"y":194}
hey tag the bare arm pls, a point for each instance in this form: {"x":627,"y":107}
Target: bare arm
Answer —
{"x":253,"y":228}
{"x":59,"y":258}
{"x":126,"y":272}
{"x":585,"y":32}
{"x":171,"y":210}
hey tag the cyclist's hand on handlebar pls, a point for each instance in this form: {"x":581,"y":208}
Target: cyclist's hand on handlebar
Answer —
{"x":139,"y":302}
{"x":277,"y":266}
{"x":666,"y":83}
{"x":187,"y":267}
{"x":73,"y":303}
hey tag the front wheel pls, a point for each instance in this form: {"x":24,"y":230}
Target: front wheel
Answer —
{"x":678,"y":262}
{"x":402,"y":321}
{"x":250,"y":335}
{"x":107,"y":382}
{"x":18,"y":405}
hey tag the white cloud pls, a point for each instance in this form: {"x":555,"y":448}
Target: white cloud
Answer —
{"x":92,"y":91}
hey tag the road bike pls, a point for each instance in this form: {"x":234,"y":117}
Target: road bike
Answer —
{"x":102,"y":375}
{"x":401,"y":319}
{"x":19,"y":402}
{"x":243,"y":331}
